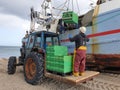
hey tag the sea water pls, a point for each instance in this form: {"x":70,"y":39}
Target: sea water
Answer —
{"x":7,"y":51}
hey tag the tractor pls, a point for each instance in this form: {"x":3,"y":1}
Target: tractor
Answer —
{"x":33,"y":53}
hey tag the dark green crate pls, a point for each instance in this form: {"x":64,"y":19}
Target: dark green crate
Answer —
{"x":70,"y":17}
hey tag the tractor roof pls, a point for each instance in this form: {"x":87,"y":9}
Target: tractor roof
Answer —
{"x":46,"y":33}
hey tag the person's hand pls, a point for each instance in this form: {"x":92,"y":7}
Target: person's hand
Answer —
{"x":69,"y":36}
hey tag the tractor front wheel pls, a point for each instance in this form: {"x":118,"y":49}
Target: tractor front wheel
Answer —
{"x":12,"y":65}
{"x":34,"y":68}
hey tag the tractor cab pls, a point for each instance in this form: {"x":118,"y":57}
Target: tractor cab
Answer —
{"x":38,"y":41}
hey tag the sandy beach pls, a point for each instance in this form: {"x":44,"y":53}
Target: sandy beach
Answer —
{"x":104,"y":81}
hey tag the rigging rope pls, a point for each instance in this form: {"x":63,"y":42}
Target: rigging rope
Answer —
{"x":67,"y":5}
{"x":62,"y":8}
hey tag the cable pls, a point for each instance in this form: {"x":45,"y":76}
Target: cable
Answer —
{"x":72,"y":6}
{"x":62,"y":8}
{"x":78,"y":7}
{"x":68,"y":5}
{"x":60,"y":5}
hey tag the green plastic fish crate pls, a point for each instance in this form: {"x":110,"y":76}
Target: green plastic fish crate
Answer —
{"x":50,"y":63}
{"x":59,"y":58}
{"x":64,"y":59}
{"x":48,"y":67}
{"x":63,"y":70}
{"x":50,"y":58}
{"x":60,"y":64}
{"x":70,"y":17}
{"x":56,"y":48}
{"x":61,"y":53}
{"x":63,"y":64}
{"x":58,"y":69}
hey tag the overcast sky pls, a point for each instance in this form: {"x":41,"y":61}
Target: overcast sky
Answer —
{"x":15,"y":16}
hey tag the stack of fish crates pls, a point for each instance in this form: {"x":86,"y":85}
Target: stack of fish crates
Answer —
{"x":57,"y":59}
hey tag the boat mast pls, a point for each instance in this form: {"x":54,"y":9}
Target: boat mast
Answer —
{"x":46,"y":7}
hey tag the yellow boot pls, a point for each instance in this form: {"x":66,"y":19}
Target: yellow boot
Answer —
{"x":76,"y":74}
{"x":81,"y":73}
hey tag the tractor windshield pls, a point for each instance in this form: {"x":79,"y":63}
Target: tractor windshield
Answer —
{"x":44,"y":39}
{"x":52,"y":41}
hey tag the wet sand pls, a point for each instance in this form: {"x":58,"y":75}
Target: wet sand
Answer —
{"x":104,"y":81}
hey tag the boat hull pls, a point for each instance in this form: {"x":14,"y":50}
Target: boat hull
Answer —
{"x":104,"y":45}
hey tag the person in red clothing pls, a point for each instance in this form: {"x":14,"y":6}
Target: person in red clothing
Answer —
{"x":79,"y":52}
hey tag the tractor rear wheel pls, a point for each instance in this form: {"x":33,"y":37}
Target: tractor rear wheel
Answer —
{"x":12,"y":65}
{"x":34,"y":68}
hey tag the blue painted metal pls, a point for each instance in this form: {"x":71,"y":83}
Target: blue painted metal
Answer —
{"x":108,"y":44}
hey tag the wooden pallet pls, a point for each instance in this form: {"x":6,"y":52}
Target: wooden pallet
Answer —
{"x":71,"y":79}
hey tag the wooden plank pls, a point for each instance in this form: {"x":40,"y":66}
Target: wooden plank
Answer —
{"x":71,"y":79}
